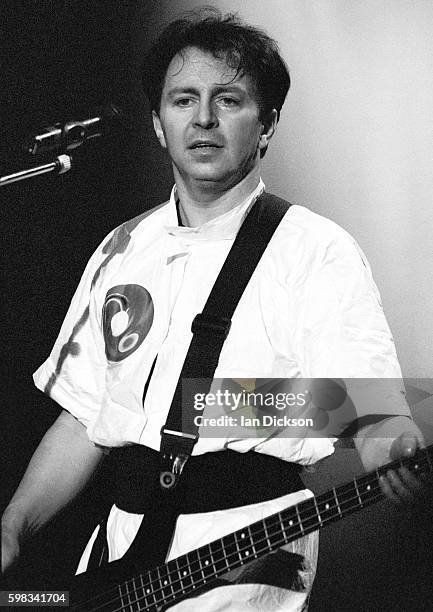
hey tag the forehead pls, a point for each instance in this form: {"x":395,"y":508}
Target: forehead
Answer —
{"x":194,"y":67}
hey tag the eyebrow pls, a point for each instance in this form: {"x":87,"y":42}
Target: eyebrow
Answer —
{"x":229,"y":88}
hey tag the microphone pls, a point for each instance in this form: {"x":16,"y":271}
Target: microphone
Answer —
{"x":72,"y":134}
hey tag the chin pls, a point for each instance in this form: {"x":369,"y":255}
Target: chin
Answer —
{"x":209,"y":175}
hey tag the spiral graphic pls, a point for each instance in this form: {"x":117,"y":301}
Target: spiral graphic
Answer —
{"x":127,"y":317}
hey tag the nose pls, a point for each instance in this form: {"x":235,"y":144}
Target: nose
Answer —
{"x":205,"y":115}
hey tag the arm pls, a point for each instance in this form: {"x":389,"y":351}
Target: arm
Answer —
{"x":390,"y":439}
{"x":59,"y":469}
{"x":348,"y":337}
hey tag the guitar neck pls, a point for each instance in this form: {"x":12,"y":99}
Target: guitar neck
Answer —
{"x":182,"y":576}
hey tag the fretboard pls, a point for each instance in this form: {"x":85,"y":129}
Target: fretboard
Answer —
{"x":182,"y":576}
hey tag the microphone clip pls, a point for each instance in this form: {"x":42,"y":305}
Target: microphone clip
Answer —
{"x":62,"y":137}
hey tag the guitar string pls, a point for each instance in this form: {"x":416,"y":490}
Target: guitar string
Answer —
{"x":257,"y":544}
{"x":312,"y":504}
{"x":323,"y":499}
{"x":159,"y":590}
{"x":166,"y":598}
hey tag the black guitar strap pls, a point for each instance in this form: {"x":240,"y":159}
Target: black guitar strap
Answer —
{"x":210,"y":329}
{"x":145,"y":479}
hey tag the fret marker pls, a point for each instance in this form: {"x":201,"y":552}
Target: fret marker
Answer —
{"x":368,"y":487}
{"x":147,"y":591}
{"x":247,"y":552}
{"x":326,"y":506}
{"x":242,"y":535}
{"x":291,"y":523}
{"x":416,"y":466}
{"x":206,"y":562}
{"x":184,"y":573}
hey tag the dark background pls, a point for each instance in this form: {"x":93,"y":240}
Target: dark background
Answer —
{"x":60,"y":60}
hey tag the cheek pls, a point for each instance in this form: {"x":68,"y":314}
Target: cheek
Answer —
{"x":247,"y":137}
{"x":172,"y":132}
{"x":173,"y":138}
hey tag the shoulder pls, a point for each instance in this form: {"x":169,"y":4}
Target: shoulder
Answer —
{"x":119,"y":238}
{"x":122,"y":237}
{"x":314,"y":227}
{"x":305,"y":234}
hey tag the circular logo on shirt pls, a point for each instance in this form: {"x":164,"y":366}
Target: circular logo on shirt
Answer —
{"x":127,"y":317}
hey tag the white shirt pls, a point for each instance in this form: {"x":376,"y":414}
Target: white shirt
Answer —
{"x":311,"y":309}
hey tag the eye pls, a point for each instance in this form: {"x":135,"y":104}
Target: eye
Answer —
{"x":228,"y":101}
{"x":183,"y":102}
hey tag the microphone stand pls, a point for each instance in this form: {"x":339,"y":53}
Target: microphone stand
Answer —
{"x":62,"y":164}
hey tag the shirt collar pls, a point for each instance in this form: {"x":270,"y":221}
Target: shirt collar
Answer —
{"x":224,"y":227}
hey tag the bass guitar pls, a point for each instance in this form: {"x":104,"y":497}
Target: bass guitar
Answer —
{"x":153,"y":590}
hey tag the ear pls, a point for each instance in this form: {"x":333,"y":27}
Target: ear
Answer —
{"x":158,"y":129}
{"x":269,"y":127}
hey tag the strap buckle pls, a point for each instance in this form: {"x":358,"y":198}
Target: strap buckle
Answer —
{"x":203,"y":324}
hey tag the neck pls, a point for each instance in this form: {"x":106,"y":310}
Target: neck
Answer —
{"x":198,"y":204}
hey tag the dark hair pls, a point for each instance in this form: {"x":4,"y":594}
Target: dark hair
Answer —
{"x":246,"y":49}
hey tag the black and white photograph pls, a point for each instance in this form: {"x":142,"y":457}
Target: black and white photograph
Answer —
{"x":218,"y":318}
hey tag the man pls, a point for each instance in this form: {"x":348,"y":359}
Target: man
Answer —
{"x":311,"y":310}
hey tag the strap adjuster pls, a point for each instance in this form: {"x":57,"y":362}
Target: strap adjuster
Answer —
{"x":180,"y":434}
{"x":203,"y":324}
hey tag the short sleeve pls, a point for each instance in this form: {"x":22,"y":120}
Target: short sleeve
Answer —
{"x":74,"y":373}
{"x":343,"y":332}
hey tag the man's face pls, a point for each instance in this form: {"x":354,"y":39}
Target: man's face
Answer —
{"x":209,"y":120}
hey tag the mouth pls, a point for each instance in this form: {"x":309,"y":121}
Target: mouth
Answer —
{"x":205,"y":144}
